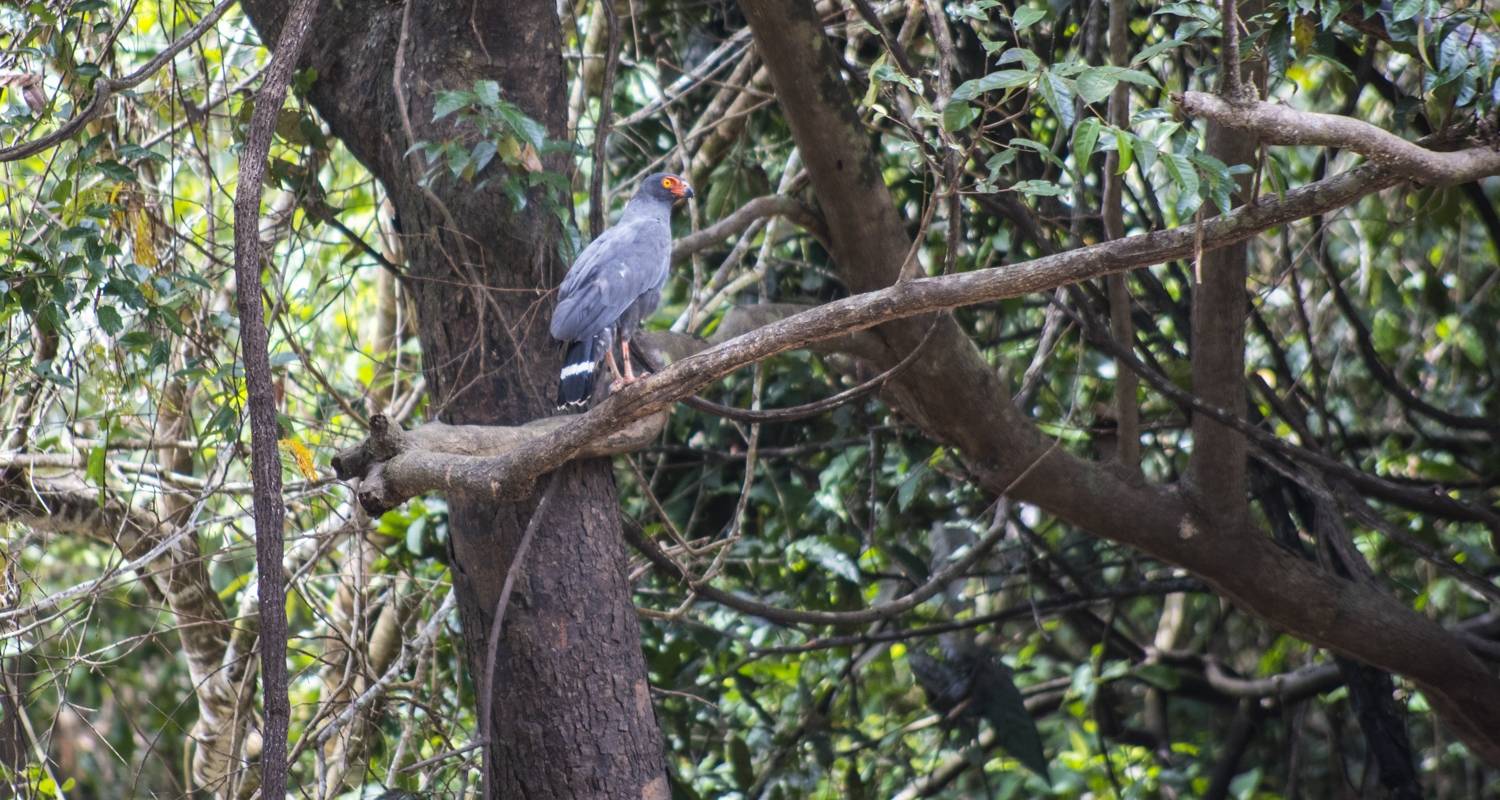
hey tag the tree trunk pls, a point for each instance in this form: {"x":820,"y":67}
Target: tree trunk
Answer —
{"x":572,"y":707}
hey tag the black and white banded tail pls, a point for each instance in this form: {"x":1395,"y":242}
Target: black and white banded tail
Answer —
{"x":576,"y":383}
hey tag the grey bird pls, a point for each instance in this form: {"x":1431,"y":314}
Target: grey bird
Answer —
{"x":613,"y":286}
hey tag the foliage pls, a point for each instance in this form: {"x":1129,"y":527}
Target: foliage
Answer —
{"x":501,"y":129}
{"x":1062,"y":665}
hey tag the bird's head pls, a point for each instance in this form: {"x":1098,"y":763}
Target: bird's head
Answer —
{"x":666,"y":186}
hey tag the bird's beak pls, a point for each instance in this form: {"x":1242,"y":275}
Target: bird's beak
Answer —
{"x":683,"y":191}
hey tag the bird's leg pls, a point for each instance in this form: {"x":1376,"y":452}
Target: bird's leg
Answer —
{"x":629,"y":376}
{"x":609,"y":358}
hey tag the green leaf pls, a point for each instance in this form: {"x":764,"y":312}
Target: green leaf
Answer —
{"x":1156,"y":49}
{"x":828,"y":557}
{"x":1182,"y":173}
{"x":1040,"y":149}
{"x":1026,"y":16}
{"x":1094,"y":85}
{"x":1085,"y":138}
{"x":1029,"y":60}
{"x":1386,"y":332}
{"x":449,"y":102}
{"x":1244,"y":784}
{"x":1004,"y":79}
{"x":1159,"y":675}
{"x":481,"y":155}
{"x":415,"y":534}
{"x":1015,"y":730}
{"x":488,"y":93}
{"x":889,"y":74}
{"x":94,"y":471}
{"x":109,"y":319}
{"x":1039,"y":187}
{"x":914,"y":482}
{"x":1126,"y":151}
{"x":1058,"y":92}
{"x":999,"y":161}
{"x":958,"y":115}
{"x":1403,"y":10}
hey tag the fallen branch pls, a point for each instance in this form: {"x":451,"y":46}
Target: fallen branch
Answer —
{"x":1274,"y":123}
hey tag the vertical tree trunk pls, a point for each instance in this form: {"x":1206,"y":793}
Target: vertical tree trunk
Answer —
{"x":1220,"y":309}
{"x":572,"y":707}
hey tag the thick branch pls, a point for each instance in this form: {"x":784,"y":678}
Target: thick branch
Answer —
{"x":392,"y":465}
{"x":1279,"y":124}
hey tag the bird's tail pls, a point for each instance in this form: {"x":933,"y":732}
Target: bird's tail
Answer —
{"x":576,"y":384}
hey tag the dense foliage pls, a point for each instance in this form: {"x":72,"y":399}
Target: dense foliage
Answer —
{"x":1057,"y":664}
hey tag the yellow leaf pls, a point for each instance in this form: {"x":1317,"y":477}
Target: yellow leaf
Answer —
{"x":1304,"y":30}
{"x":302,"y":456}
{"x":145,"y":244}
{"x":530,"y":160}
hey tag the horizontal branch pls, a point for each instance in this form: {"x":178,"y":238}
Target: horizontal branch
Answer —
{"x":1274,"y":123}
{"x":393,"y":465}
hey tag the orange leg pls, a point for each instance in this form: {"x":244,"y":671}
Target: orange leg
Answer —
{"x":629,"y":376}
{"x":625,"y":351}
{"x":609,"y":358}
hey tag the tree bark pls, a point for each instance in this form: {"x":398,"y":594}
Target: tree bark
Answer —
{"x":572,"y":706}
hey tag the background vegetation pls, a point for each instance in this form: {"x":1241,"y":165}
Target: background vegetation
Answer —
{"x":124,"y":469}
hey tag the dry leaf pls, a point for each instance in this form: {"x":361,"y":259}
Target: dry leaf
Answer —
{"x":30,"y":84}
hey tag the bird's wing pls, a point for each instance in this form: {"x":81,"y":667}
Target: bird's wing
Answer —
{"x":608,"y":276}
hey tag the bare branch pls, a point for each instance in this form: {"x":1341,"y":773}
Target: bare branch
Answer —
{"x":1278,"y":124}
{"x":740,"y":219}
{"x":389,"y":466}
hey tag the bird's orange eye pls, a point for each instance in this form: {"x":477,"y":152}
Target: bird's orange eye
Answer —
{"x":668,"y":182}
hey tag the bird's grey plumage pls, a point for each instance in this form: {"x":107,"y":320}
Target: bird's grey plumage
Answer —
{"x":616,"y":282}
{"x":625,"y":264}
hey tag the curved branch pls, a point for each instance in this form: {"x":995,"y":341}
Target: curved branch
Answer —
{"x":1278,"y":124}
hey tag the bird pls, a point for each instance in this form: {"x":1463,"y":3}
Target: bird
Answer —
{"x":613,"y":286}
